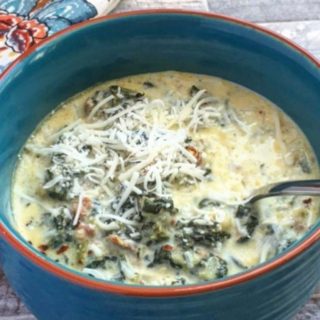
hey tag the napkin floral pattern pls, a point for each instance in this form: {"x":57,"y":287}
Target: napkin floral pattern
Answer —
{"x":24,"y":23}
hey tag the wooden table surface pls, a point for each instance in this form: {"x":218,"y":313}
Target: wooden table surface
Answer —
{"x":298,"y":20}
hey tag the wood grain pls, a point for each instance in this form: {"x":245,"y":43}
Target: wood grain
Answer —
{"x":268,"y":10}
{"x":145,"y":4}
{"x":304,"y":33}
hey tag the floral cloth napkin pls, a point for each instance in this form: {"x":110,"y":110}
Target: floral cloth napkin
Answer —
{"x":24,"y":23}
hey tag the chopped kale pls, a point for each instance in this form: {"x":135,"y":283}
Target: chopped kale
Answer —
{"x":192,"y":233}
{"x":148,"y":85}
{"x":164,"y":256}
{"x":206,"y":202}
{"x":110,"y":263}
{"x":60,"y":189}
{"x":140,"y":136}
{"x":250,"y":224}
{"x":130,"y":203}
{"x":46,"y":218}
{"x":160,"y":256}
{"x":193,"y":90}
{"x":63,"y":227}
{"x":154,"y":204}
{"x":213,"y":267}
{"x":238,"y":263}
{"x":179,"y":282}
{"x":29,"y":223}
{"x":61,"y":222}
{"x":81,"y":250}
{"x":57,"y":241}
{"x":284,"y":245}
{"x":268,"y":229}
{"x":124,"y":95}
{"x":248,"y":217}
{"x":243,"y":239}
{"x":155,"y":231}
{"x":305,"y":165}
{"x":222,"y":268}
{"x":96,"y":264}
{"x":121,"y":276}
{"x":96,"y":208}
{"x":86,"y":148}
{"x":243,"y":211}
{"x":100,"y":263}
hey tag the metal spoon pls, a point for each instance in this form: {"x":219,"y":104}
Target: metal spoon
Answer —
{"x":288,"y":188}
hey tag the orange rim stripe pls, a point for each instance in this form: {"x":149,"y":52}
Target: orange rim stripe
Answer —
{"x":157,"y":291}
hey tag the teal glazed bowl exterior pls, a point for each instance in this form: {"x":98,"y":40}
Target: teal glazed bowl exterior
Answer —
{"x":140,"y":42}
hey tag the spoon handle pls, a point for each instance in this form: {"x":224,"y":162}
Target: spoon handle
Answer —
{"x":293,"y":188}
{"x":300,"y":187}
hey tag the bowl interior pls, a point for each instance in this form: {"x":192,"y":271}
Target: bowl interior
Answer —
{"x":150,"y":42}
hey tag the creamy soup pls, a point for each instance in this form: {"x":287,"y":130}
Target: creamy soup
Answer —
{"x":139,"y":180}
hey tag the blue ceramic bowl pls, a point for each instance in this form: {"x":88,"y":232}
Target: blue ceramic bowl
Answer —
{"x":149,"y":41}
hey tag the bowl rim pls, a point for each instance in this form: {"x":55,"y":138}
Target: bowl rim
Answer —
{"x":148,"y":291}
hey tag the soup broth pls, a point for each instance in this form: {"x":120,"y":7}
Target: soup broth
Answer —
{"x":140,"y":179}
